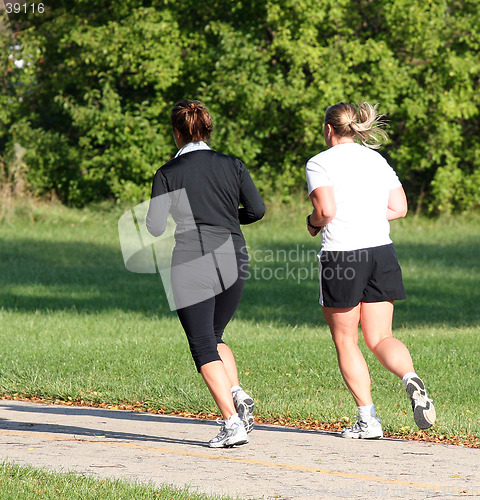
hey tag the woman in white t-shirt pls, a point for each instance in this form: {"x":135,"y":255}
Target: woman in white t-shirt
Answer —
{"x":355,"y":193}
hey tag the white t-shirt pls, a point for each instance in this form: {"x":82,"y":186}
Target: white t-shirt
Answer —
{"x":362,"y":180}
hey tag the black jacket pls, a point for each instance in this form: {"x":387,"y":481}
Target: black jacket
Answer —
{"x":209,"y":186}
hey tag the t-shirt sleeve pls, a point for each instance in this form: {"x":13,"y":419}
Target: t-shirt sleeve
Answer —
{"x":393,"y":181}
{"x":317,"y":176}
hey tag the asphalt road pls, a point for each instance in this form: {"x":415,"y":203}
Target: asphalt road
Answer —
{"x":278,"y":462}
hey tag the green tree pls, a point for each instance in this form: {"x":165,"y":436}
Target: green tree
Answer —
{"x":102,"y":79}
{"x":93,"y":117}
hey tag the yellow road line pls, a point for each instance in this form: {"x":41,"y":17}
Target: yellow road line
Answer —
{"x":171,"y":451}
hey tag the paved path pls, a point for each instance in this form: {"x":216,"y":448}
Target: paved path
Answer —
{"x":279,"y":462}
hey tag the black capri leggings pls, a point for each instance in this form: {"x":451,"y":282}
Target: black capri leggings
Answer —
{"x":205,"y":322}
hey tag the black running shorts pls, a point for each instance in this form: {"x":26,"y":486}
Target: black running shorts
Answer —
{"x":365,"y":275}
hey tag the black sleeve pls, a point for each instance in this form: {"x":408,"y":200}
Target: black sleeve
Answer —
{"x":159,"y":207}
{"x":253,"y":206}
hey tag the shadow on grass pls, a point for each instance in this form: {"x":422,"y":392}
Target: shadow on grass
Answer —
{"x":86,"y":277}
{"x":441,"y":282}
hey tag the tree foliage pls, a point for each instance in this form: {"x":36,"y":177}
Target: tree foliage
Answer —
{"x":91,"y":104}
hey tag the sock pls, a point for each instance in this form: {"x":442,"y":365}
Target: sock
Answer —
{"x":235,"y":388}
{"x":407,"y":377}
{"x":234,"y":419}
{"x":365,"y":413}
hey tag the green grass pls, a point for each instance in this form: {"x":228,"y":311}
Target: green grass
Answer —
{"x":25,"y":483}
{"x":75,"y":325}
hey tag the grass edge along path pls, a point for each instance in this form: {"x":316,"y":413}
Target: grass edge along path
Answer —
{"x":19,"y":482}
{"x":466,"y":440}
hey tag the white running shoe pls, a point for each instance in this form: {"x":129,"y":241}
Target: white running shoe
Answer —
{"x":423,"y":410}
{"x":244,"y":405}
{"x":233,"y":433}
{"x":364,"y":430}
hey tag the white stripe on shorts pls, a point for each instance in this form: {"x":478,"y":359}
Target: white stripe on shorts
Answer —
{"x":320,"y":298}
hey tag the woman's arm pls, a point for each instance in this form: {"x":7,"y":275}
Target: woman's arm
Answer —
{"x":159,"y":207}
{"x":253,"y":206}
{"x":397,"y":204}
{"x":324,"y":208}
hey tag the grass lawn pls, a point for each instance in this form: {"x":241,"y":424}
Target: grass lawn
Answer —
{"x":25,"y":483}
{"x":76,"y":325}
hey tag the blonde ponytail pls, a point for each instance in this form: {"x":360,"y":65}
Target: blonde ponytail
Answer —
{"x":362,"y":122}
{"x":369,"y":127}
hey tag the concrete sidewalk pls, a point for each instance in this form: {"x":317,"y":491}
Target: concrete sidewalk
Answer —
{"x":279,"y":462}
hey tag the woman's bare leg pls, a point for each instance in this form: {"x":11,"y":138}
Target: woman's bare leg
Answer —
{"x":343,"y":323}
{"x":218,"y":382}
{"x":229,"y":362}
{"x":376,"y":320}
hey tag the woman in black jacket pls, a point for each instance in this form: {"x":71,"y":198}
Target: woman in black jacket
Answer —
{"x":202,"y":190}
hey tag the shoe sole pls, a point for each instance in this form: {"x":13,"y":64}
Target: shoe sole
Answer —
{"x":423,"y":410}
{"x":357,"y":436}
{"x":245,"y":412}
{"x":228,"y":445}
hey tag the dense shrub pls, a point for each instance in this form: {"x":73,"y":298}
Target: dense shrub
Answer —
{"x":91,"y":104}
